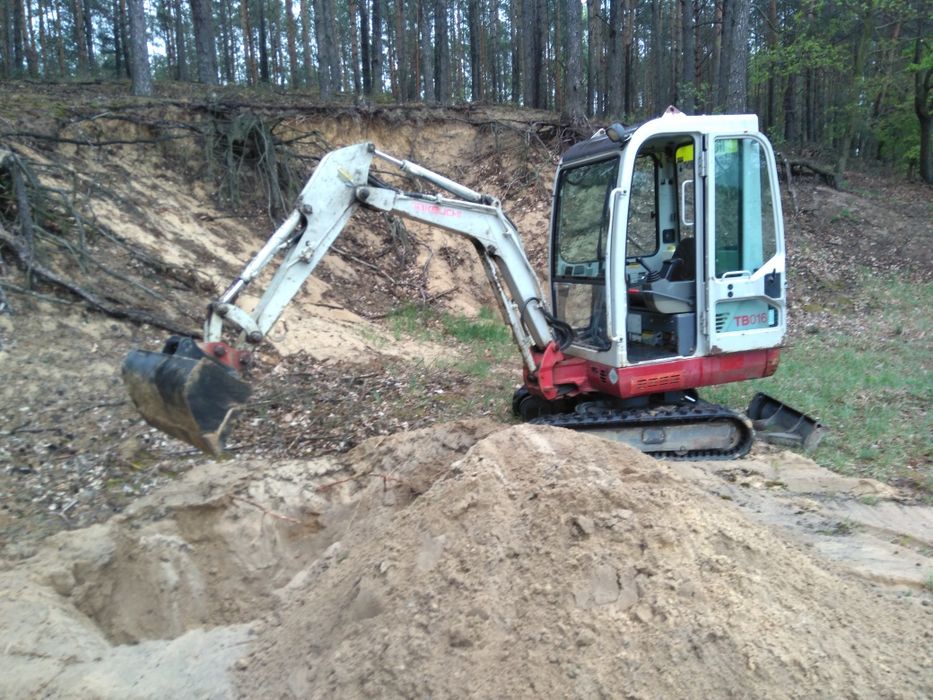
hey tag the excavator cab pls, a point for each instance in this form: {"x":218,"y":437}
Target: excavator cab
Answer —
{"x":666,"y":243}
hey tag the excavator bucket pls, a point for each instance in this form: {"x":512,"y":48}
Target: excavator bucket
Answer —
{"x":185,"y":393}
{"x":778,"y":423}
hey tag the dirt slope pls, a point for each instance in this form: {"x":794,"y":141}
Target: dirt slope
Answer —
{"x":462,"y":560}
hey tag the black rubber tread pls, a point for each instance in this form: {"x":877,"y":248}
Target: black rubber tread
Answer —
{"x":689,"y":412}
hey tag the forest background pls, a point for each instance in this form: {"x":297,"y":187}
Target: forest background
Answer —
{"x":837,"y":80}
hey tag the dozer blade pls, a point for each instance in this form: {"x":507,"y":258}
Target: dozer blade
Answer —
{"x":185,"y":393}
{"x":778,"y":423}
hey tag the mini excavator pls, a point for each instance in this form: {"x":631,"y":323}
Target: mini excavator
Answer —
{"x":666,"y":271}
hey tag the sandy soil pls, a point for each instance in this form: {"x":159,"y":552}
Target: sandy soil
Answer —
{"x":470,"y":558}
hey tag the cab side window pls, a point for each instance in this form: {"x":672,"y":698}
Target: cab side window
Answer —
{"x":642,"y":236}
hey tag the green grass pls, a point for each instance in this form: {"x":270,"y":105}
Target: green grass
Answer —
{"x":488,"y":328}
{"x":411,"y":320}
{"x":481,"y":352}
{"x":487,"y":339}
{"x":868,"y":382}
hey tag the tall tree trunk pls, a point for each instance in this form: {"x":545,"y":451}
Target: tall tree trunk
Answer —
{"x":294,"y":75}
{"x":427,"y":51}
{"x":263,"y":43}
{"x":715,"y":65}
{"x":166,"y":28}
{"x":307,"y":67}
{"x":181,"y":72}
{"x":117,"y":41}
{"x":594,"y":47}
{"x":333,"y":46}
{"x":402,"y":58}
{"x":656,"y":96}
{"x":60,"y":38}
{"x":77,"y":13}
{"x":89,"y":37}
{"x":456,"y":49}
{"x":534,"y":38}
{"x":772,"y":37}
{"x":556,"y":68}
{"x":364,"y":48}
{"x":727,"y":33}
{"x":77,"y":35}
{"x":202,"y":20}
{"x":32,"y":56}
{"x":854,"y":98}
{"x":44,"y":48}
{"x":573,"y":108}
{"x":476,"y":68}
{"x":494,"y":58}
{"x":323,"y":55}
{"x":669,"y":65}
{"x":616,"y":86}
{"x":628,"y":42}
{"x":142,"y":78}
{"x":228,"y":43}
{"x":517,"y":41}
{"x":275,"y":44}
{"x":7,"y":23}
{"x":249,"y":50}
{"x":529,"y":51}
{"x":923,"y":104}
{"x":733,"y":67}
{"x":125,"y":39}
{"x":376,"y":55}
{"x":541,"y":75}
{"x":391,"y":50}
{"x":687,"y":90}
{"x":355,"y":48}
{"x":441,"y":53}
{"x":791,"y":134}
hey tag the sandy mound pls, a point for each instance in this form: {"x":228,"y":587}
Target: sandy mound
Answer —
{"x":547,"y":564}
{"x":461,"y":560}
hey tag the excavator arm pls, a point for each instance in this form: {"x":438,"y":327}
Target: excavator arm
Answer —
{"x":192,"y":391}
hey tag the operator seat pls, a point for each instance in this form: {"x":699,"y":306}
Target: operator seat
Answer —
{"x":673,"y":289}
{"x":683,"y":263}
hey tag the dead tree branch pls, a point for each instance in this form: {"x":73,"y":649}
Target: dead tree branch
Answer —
{"x":87,"y":142}
{"x":826,"y":175}
{"x":117,"y":311}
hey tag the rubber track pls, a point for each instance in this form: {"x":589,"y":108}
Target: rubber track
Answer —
{"x":698,"y":412}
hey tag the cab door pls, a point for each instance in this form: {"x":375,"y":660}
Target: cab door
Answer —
{"x":745,"y":264}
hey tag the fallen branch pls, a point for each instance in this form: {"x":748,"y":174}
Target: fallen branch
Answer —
{"x":828,"y":176}
{"x":5,"y":307}
{"x":360,"y":261}
{"x":87,"y":142}
{"x":123,"y":312}
{"x":23,"y":208}
{"x":29,"y":292}
{"x":280,"y":516}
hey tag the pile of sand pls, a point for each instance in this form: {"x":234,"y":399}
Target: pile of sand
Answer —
{"x":462,"y":560}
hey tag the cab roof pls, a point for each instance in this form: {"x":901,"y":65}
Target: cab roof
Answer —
{"x":671,"y":122}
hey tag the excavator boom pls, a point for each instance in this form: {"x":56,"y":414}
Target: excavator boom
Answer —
{"x":193,"y":391}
